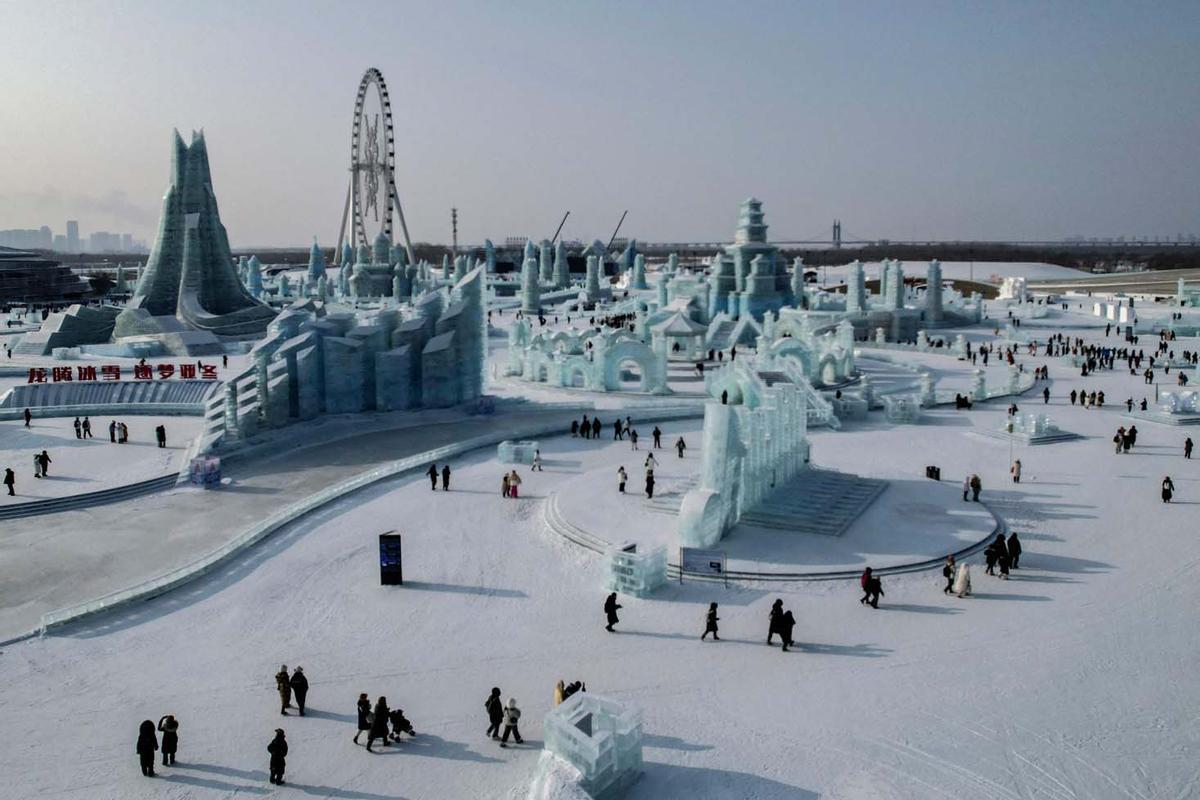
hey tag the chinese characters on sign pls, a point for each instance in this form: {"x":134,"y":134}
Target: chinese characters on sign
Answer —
{"x":113,"y":372}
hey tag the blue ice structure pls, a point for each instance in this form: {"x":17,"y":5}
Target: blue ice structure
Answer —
{"x":902,"y":408}
{"x":749,"y":278}
{"x":511,"y":452}
{"x":545,"y":262}
{"x":638,"y":280}
{"x":254,"y":277}
{"x":856,"y":289}
{"x":753,"y":441}
{"x":562,"y":267}
{"x":489,"y":256}
{"x":636,"y":573}
{"x":601,"y":738}
{"x":312,"y":362}
{"x":316,"y":264}
{"x":628,"y":256}
{"x":616,"y":361}
{"x":531,"y":290}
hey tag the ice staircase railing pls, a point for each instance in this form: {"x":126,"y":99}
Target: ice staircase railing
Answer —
{"x":818,"y":409}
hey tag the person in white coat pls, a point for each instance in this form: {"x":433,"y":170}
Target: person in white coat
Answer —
{"x":962,"y":581}
{"x":512,"y":716}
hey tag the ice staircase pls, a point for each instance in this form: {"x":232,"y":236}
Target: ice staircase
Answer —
{"x":718,"y":336}
{"x":818,"y":501}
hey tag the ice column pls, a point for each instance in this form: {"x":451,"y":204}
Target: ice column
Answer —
{"x":592,"y":288}
{"x":531,"y":294}
{"x":855,"y":289}
{"x":562,"y":267}
{"x":933,"y":292}
{"x":639,"y":272}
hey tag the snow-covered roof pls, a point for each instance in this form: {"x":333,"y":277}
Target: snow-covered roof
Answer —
{"x":679,"y":324}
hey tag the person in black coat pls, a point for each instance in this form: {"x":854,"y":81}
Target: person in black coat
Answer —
{"x":170,"y":741}
{"x":364,"y":710}
{"x":446,"y":478}
{"x":990,"y":556}
{"x":495,"y":711}
{"x":400,"y":724}
{"x":432,"y":472}
{"x":278,"y":749}
{"x":773,"y":620}
{"x":786,"y":623}
{"x":948,"y":573}
{"x":1014,"y":549}
{"x":379,"y":723}
{"x":299,"y":685}
{"x":610,"y":610}
{"x":147,"y":745}
{"x":710,"y":623}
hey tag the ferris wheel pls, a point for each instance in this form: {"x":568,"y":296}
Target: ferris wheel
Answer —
{"x":371,"y":195}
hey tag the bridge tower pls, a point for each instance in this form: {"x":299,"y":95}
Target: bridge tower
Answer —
{"x":837,"y":234}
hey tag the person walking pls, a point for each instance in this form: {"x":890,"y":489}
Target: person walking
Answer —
{"x":10,"y":480}
{"x":536,"y":466}
{"x":169,"y":726}
{"x":595,"y":427}
{"x":610,"y":612}
{"x":989,"y":556}
{"x":112,"y":431}
{"x":650,"y":463}
{"x":874,"y":591}
{"x":1014,"y":550}
{"x":863,"y":581}
{"x":786,"y":623}
{"x":773,"y":617}
{"x":1046,"y":396}
{"x":976,"y":487}
{"x":617,"y":430}
{"x":966,"y":486}
{"x":87,"y":428}
{"x":160,"y":434}
{"x":363,"y":706}
{"x":124,"y":438}
{"x":710,"y":623}
{"x":633,"y":437}
{"x":37,"y":465}
{"x":278,"y":749}
{"x":379,"y":723}
{"x":445,"y":477}
{"x":948,"y":573}
{"x":649,"y":485}
{"x":147,"y":746}
{"x":1168,"y":489}
{"x":680,"y":446}
{"x":299,"y":685}
{"x":504,"y":488}
{"x":283,"y":685}
{"x":622,"y":477}
{"x":657,"y":434}
{"x":585,"y":427}
{"x":1016,"y":471}
{"x":962,"y":581}
{"x":574,"y":427}
{"x":512,"y":717}
{"x":495,"y":711}
{"x":46,"y":461}
{"x":28,"y":417}
{"x":514,"y":484}
{"x":1187,"y":447}
{"x":78,"y":429}
{"x":432,"y":472}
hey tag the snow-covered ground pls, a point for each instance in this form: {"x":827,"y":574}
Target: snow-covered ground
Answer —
{"x":1074,"y":679}
{"x":88,"y":465}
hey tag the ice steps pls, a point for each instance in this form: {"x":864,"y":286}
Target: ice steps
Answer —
{"x":86,"y":500}
{"x":816,"y":501}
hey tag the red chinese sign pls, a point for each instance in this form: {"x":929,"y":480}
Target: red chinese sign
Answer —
{"x":113,"y":372}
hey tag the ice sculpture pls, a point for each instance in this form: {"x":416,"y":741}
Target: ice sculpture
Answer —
{"x":562,"y":267}
{"x":510,"y":452}
{"x":592,"y":286}
{"x":934,"y":311}
{"x":978,"y":386}
{"x":902,"y":408}
{"x":856,"y":295}
{"x":254,"y":279}
{"x":742,"y":284}
{"x":753,"y":441}
{"x":601,"y":738}
{"x":545,"y":264}
{"x":190,"y":281}
{"x":797,"y":280}
{"x":638,"y":281}
{"x":313,"y":362}
{"x":446,"y":267}
{"x":316,"y":263}
{"x":489,"y":256}
{"x":634,"y":573}
{"x":531,"y":291}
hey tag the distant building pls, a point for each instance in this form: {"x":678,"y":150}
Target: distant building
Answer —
{"x":31,"y":278}
{"x":72,"y":236}
{"x":126,"y":243}
{"x":27,"y":238}
{"x":60,"y":243}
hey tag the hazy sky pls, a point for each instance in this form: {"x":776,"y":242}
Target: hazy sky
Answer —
{"x":905,"y":119}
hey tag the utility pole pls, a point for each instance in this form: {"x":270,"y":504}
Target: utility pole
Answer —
{"x":454,"y":229}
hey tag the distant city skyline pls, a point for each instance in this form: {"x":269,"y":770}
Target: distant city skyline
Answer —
{"x":905,"y":121}
{"x":44,"y":238}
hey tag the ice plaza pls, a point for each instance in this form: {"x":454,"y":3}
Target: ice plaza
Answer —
{"x":591,"y":514}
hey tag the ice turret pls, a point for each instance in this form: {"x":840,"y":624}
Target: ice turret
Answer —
{"x":639,"y":272}
{"x":531,"y":294}
{"x":562,"y":268}
{"x":316,"y":262}
{"x":545,"y":265}
{"x":254,"y":276}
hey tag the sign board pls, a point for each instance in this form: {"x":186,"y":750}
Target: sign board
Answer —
{"x":113,"y":372}
{"x":703,"y":562}
{"x":391,"y":566}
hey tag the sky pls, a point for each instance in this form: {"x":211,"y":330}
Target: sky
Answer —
{"x":906,"y":120}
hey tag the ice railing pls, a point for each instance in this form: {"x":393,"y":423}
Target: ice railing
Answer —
{"x":101,"y":409}
{"x":1025,"y":380}
{"x":262,"y":529}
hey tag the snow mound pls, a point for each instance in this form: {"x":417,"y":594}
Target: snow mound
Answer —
{"x":556,"y":779}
